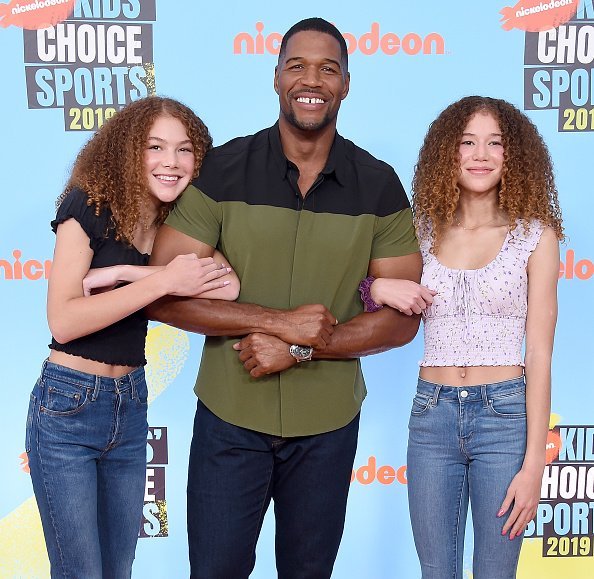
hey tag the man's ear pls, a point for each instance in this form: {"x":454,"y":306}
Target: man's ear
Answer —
{"x":276,"y":79}
{"x":347,"y":84}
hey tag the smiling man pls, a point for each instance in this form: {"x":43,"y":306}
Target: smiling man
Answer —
{"x":303,"y":215}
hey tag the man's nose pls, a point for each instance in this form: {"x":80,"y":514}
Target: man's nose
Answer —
{"x":311,"y":76}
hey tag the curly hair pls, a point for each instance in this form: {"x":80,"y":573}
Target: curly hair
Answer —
{"x":110,"y":167}
{"x":527,"y":189}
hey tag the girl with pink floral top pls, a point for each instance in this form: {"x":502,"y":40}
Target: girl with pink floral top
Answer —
{"x":488,"y":222}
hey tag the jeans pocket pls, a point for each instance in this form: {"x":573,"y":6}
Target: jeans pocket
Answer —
{"x":29,"y":427}
{"x":61,"y":398}
{"x":141,"y":392}
{"x":420,"y":404}
{"x":509,"y":406}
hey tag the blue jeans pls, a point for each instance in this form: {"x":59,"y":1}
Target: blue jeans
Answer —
{"x":86,"y":441}
{"x":233,"y":474}
{"x":465,"y":443}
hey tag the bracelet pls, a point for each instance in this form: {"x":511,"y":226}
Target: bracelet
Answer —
{"x":365,"y":291}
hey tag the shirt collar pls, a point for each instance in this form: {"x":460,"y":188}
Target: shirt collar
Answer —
{"x":335,"y":165}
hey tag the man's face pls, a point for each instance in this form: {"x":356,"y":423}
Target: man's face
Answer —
{"x":310,"y":80}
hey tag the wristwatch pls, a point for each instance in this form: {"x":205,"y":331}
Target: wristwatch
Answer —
{"x":301,"y":353}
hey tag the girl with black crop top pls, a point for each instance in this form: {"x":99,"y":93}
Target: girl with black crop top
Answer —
{"x":87,"y":426}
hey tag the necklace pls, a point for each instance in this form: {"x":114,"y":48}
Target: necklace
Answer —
{"x":458,"y":224}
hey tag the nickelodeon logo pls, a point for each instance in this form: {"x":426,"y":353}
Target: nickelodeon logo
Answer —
{"x":369,"y":43}
{"x":384,"y":475}
{"x":582,"y":269}
{"x":32,"y":269}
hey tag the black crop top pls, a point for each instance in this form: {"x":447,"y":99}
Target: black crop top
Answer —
{"x":121,"y":343}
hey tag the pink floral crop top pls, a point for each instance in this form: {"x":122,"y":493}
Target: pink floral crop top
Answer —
{"x":478,"y":318}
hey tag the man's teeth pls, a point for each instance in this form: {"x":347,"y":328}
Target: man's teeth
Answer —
{"x":167,"y":177}
{"x":310,"y":101}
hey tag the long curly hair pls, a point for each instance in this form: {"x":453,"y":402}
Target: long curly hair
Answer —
{"x":110,"y":167}
{"x":527,"y":189}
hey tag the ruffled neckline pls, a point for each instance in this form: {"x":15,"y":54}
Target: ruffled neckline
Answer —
{"x":517,"y":238}
{"x":504,"y":245}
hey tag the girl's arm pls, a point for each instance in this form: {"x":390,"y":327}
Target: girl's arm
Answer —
{"x":543,"y":273}
{"x":71,"y":315}
{"x":404,"y":295}
{"x":229,"y":292}
{"x":102,"y":279}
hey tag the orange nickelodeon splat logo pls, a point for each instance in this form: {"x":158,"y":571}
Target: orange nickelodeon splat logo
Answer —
{"x":24,"y":462}
{"x":36,"y":14}
{"x":537,"y":15}
{"x":32,"y":269}
{"x":553,"y":445}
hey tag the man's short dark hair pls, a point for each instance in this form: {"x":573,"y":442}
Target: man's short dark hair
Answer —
{"x":317,"y":25}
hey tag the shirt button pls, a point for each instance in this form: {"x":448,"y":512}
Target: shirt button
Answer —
{"x":464,"y":393}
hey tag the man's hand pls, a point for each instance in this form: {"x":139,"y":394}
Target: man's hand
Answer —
{"x":308,"y":325}
{"x":262,"y":354}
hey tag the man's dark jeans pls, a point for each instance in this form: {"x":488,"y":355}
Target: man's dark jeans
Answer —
{"x":233,"y":474}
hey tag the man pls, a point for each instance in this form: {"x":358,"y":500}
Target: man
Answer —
{"x":303,"y":215}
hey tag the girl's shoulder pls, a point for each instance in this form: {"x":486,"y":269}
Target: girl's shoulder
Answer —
{"x":75,"y":205}
{"x":525,"y":234}
{"x":424,"y":231}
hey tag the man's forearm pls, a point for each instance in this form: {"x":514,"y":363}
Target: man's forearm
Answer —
{"x":310,"y":325}
{"x":212,"y":317}
{"x":370,"y":333}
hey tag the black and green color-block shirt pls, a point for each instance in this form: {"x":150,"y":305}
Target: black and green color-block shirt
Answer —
{"x":288,"y":251}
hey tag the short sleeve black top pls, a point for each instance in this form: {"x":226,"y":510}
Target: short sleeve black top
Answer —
{"x":121,"y":343}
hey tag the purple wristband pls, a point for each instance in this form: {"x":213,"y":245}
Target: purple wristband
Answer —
{"x":365,"y":291}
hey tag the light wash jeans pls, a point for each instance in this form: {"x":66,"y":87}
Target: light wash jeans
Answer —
{"x":465,"y":443}
{"x":86,"y":441}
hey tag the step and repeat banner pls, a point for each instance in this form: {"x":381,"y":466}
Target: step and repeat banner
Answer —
{"x":67,"y":65}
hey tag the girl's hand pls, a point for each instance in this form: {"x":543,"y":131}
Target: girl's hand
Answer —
{"x":524,"y":493}
{"x":188,"y":275}
{"x":403,"y":295}
{"x":101,"y":279}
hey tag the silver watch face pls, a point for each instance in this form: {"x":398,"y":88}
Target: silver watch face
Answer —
{"x":301,"y":352}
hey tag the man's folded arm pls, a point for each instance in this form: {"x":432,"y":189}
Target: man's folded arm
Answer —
{"x":308,"y":325}
{"x":372,"y":333}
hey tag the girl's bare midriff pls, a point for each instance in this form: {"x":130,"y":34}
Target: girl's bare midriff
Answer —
{"x":469,"y":375}
{"x":89,"y":366}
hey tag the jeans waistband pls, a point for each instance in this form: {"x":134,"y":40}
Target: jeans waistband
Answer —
{"x":85,"y":380}
{"x":470,"y":393}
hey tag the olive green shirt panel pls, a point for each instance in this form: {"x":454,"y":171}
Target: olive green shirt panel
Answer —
{"x":309,"y":398}
{"x":394,"y":235}
{"x":197,"y":215}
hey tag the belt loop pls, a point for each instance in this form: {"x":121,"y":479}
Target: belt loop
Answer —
{"x":132,"y":386}
{"x":96,"y":390}
{"x":435,"y":395}
{"x":484,"y":395}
